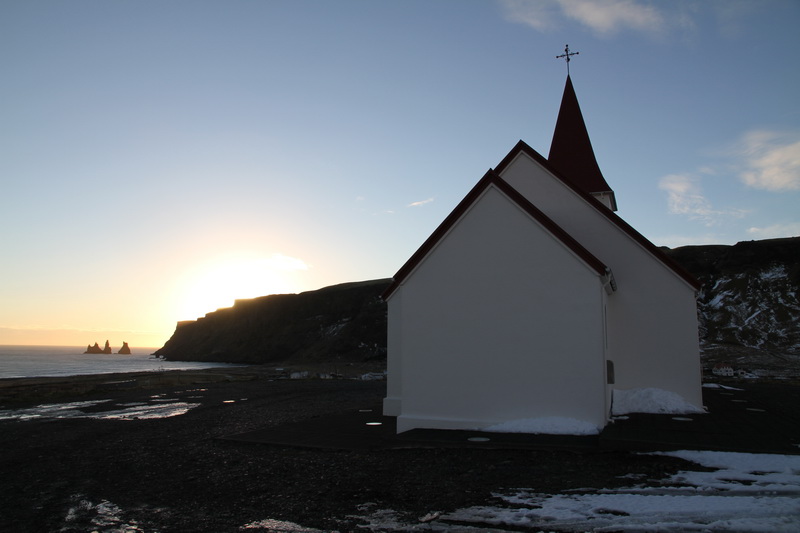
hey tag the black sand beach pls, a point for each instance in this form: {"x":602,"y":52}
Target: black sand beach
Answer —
{"x":183,"y":473}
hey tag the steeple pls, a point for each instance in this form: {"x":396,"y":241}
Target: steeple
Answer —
{"x":571,"y":151}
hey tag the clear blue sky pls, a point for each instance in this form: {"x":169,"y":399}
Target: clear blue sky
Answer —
{"x":161,"y":158}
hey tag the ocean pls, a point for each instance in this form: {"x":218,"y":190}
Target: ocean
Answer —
{"x":57,"y":361}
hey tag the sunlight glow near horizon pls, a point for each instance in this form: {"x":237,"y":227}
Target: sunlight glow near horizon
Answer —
{"x":217,"y":283}
{"x":160,"y":160}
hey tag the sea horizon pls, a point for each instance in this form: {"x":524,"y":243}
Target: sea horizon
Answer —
{"x":28,"y":361}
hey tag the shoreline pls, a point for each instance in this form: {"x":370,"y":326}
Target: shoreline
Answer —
{"x":52,"y":388}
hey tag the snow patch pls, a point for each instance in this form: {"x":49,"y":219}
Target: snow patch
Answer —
{"x":751,"y":317}
{"x":335,"y":329}
{"x":718,"y":386}
{"x":651,"y":400}
{"x":550,"y":425}
{"x":750,"y":493}
{"x":717,"y":300}
{"x":640,"y":512}
{"x":776,"y":272}
{"x":134,"y":411}
{"x":279,"y":526}
{"x":741,"y":471}
{"x":105,"y":516}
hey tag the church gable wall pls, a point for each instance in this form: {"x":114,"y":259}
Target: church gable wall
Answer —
{"x":652,"y":321}
{"x":500,"y":321}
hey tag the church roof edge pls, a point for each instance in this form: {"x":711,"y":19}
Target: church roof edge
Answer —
{"x":523,"y":147}
{"x":493,"y":178}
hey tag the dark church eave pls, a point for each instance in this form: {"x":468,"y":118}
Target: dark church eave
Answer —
{"x":492,"y":178}
{"x":571,"y":150}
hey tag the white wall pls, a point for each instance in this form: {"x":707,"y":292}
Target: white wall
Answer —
{"x":500,"y":322}
{"x":652,"y":317}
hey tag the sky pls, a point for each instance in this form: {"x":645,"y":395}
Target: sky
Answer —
{"x":160,"y":159}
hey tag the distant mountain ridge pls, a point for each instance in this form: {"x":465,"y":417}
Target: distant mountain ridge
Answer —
{"x":749,"y":299}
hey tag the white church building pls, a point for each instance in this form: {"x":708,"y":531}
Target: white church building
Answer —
{"x":533,"y":299}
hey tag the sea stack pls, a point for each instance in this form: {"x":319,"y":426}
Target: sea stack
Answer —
{"x":93,"y":349}
{"x":125,"y":350}
{"x":107,"y":349}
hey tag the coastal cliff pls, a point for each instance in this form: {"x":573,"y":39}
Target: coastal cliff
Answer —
{"x":344,"y":322}
{"x":749,"y":301}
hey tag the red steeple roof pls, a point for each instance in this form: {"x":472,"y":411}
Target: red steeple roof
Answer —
{"x":571,"y":152}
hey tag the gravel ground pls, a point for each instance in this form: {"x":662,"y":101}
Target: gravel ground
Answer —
{"x":175,"y":475}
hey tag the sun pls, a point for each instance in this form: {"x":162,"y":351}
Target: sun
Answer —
{"x":219,"y":282}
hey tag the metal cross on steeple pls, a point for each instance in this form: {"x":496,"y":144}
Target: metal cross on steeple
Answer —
{"x":566,"y":55}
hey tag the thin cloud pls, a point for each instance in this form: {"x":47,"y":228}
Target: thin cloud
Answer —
{"x":540,"y":16}
{"x":776,"y":231}
{"x":284,"y":262}
{"x":604,"y":17}
{"x":676,"y":241}
{"x":421,"y":202}
{"x":610,"y":16}
{"x":770,"y":160}
{"x":685,"y":197}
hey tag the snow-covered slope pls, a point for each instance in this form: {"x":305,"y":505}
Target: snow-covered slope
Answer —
{"x":758,"y":308}
{"x":750,"y":291}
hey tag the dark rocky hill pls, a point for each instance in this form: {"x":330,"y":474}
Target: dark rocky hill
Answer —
{"x":344,"y":322}
{"x":750,"y":292}
{"x":748,"y":305}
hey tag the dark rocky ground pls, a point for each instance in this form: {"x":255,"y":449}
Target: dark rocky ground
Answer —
{"x":176,"y":475}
